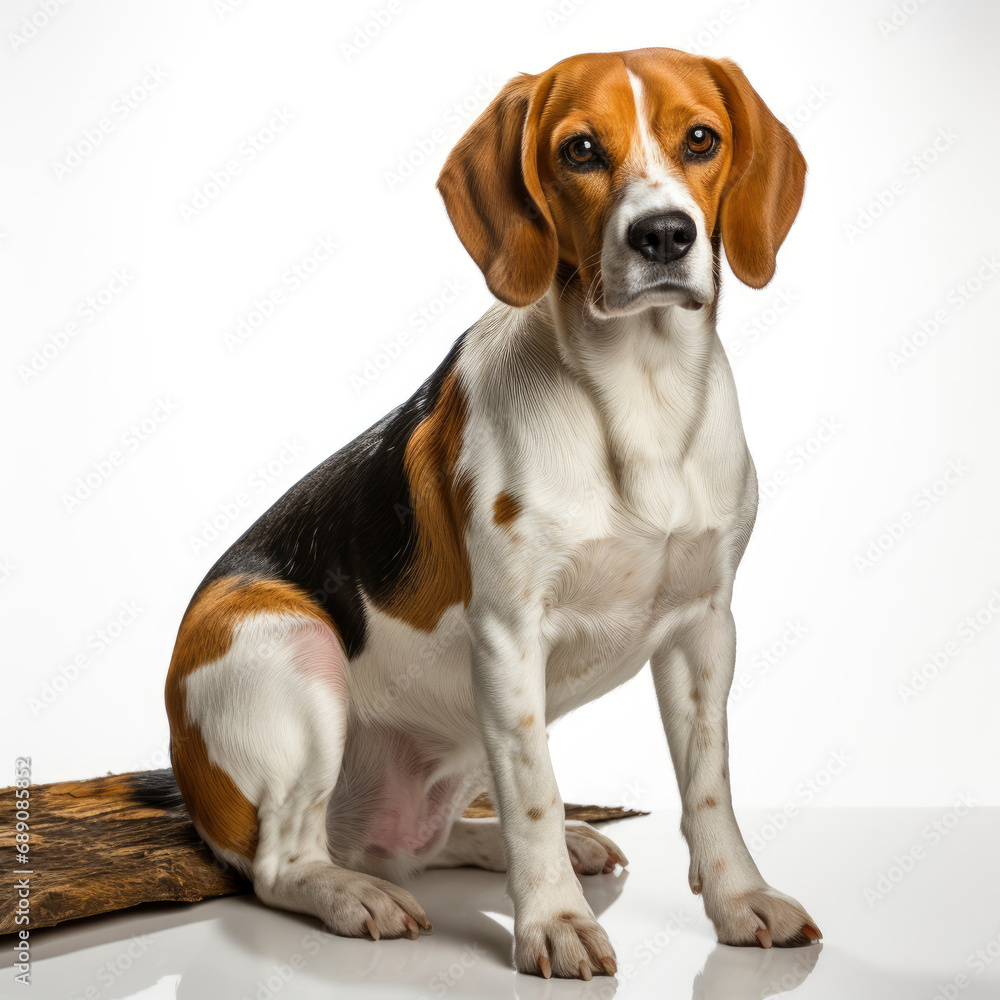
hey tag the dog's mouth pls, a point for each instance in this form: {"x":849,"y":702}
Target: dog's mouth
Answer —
{"x":666,"y":292}
{"x":676,"y":292}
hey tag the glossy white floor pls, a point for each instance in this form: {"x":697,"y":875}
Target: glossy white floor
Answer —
{"x":908,"y":901}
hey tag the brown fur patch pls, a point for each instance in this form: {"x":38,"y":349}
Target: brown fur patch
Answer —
{"x":536,"y":812}
{"x":206,"y":632}
{"x":220,"y":810}
{"x":495,"y":201}
{"x":439,"y":574}
{"x":505,"y":509}
{"x":525,"y":721}
{"x":227,"y":818}
{"x":707,"y":803}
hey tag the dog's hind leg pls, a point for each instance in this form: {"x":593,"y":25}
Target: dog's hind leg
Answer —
{"x":257,"y":699}
{"x":479,"y":844}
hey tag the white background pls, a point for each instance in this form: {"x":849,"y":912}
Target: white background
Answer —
{"x":880,"y":97}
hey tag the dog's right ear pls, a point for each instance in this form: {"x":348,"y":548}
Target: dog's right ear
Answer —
{"x":494,"y":199}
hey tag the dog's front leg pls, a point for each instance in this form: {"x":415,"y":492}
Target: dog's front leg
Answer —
{"x":692,"y":676}
{"x":555,"y":931}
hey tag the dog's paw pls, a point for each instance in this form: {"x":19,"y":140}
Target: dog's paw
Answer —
{"x":359,"y":905}
{"x":590,"y":852}
{"x":761,"y":916}
{"x":569,"y":943}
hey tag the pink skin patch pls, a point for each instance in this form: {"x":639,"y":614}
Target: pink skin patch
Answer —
{"x":318,"y":655}
{"x":407,"y":818}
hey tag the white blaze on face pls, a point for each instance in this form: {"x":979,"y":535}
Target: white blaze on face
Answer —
{"x":655,"y":186}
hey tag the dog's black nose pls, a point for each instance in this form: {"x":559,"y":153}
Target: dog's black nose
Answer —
{"x":663,"y":238}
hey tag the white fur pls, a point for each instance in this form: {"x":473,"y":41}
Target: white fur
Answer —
{"x":654,"y":188}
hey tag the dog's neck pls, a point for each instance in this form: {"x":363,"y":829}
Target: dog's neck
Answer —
{"x":657,"y":381}
{"x":649,"y":373}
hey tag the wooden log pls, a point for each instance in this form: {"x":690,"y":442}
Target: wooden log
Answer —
{"x":109,"y":843}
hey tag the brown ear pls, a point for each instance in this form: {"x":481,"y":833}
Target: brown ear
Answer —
{"x":766,"y":178}
{"x":494,"y":198}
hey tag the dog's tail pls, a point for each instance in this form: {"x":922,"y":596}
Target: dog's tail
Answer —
{"x":154,"y":788}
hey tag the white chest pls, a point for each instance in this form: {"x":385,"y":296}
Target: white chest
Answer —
{"x":636,"y":492}
{"x":613,"y":601}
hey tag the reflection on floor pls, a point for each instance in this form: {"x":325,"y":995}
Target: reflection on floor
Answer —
{"x":908,"y":900}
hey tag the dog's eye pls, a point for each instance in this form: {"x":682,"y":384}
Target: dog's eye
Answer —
{"x":701,"y":140}
{"x":583,"y":151}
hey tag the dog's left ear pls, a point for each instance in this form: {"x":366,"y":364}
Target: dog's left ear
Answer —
{"x":494,"y":199}
{"x":766,"y":179}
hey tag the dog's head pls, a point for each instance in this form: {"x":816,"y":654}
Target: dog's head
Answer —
{"x":624,"y":166}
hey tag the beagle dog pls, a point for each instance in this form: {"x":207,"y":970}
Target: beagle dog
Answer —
{"x":565,"y":499}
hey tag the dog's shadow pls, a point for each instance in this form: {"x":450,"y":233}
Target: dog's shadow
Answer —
{"x":238,"y":946}
{"x":473,"y":922}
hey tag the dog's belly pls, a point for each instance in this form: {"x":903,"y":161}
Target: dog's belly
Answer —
{"x":413,"y":759}
{"x":395,"y":794}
